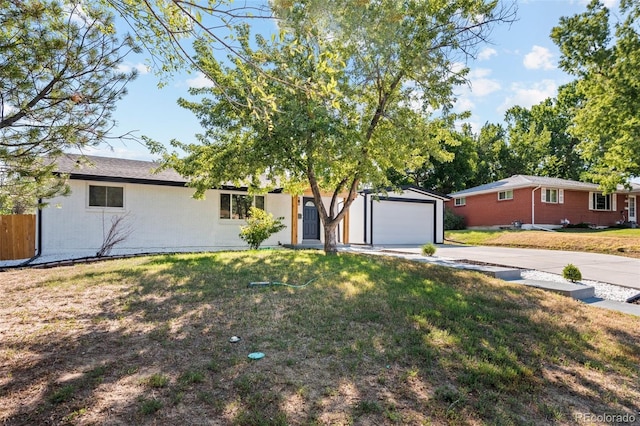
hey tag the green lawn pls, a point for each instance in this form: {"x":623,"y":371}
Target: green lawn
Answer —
{"x":370,"y":340}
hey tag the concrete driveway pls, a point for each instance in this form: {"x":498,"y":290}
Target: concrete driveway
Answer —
{"x":619,"y":270}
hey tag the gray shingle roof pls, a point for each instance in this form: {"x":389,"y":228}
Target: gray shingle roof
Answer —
{"x":119,"y":169}
{"x":109,"y":169}
{"x":524,"y":181}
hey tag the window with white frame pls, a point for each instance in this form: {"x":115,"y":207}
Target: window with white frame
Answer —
{"x":236,"y":206}
{"x":505,"y":195}
{"x":601,"y":202}
{"x":106,"y":196}
{"x":460,"y":201}
{"x":552,"y":195}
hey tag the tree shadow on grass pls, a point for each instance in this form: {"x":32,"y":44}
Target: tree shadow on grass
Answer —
{"x":369,"y":340}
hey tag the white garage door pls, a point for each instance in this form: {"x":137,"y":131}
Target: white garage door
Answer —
{"x":401,"y":222}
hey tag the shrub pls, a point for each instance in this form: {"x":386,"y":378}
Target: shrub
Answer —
{"x":581,"y":225}
{"x":260,"y":226}
{"x":428,"y":249}
{"x":453,"y":221}
{"x":571,"y":273}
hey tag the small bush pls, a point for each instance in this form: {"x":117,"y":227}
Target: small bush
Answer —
{"x":581,"y":225}
{"x":192,"y":377}
{"x":367,"y":407}
{"x":150,"y":406}
{"x":157,"y":381}
{"x":571,"y":273}
{"x":260,"y":226}
{"x":428,"y":249}
{"x":63,"y":394}
{"x":453,"y":221}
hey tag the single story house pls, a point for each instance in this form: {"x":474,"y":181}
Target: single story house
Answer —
{"x":160,"y":214}
{"x":543,"y":202}
{"x":408,"y":217}
{"x":159,"y":211}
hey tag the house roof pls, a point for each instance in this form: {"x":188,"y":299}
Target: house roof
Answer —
{"x":427,"y":192}
{"x":116,"y":170}
{"x":410,"y":188}
{"x":109,"y":169}
{"x":524,"y":181}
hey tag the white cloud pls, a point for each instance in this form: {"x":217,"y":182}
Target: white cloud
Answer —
{"x":140,"y":67}
{"x":479,"y":73}
{"x":539,"y":58}
{"x":484,"y":86}
{"x":199,"y":81}
{"x":464,"y":104}
{"x":527,"y":96}
{"x":480,"y":84}
{"x":7,"y":109}
{"x":487,"y":53}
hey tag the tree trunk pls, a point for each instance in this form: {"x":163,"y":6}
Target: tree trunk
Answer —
{"x":330,"y":237}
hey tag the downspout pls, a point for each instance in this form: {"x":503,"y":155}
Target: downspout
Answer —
{"x":39,"y":253}
{"x":39,"y":237}
{"x":533,"y":205}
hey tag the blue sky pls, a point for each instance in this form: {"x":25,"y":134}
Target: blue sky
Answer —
{"x":518,"y":67}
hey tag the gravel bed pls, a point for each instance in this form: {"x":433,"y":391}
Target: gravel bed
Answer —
{"x":602,"y":290}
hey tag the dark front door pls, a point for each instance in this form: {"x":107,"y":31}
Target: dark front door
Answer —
{"x":310,"y":220}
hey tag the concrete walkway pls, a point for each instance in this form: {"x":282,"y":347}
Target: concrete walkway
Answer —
{"x":618,"y":270}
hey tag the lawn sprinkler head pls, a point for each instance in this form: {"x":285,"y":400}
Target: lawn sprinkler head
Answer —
{"x":259,"y":283}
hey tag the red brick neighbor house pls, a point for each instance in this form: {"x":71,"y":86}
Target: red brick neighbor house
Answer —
{"x":543,"y":202}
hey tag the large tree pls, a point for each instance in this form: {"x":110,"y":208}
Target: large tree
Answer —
{"x":450,"y":170}
{"x":495,"y":161}
{"x":59,"y":83}
{"x":540,"y":140}
{"x":345,"y":93}
{"x":605,"y":58}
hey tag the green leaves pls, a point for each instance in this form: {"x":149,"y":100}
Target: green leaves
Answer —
{"x":260,"y":226}
{"x":59,"y":82}
{"x":608,"y":69}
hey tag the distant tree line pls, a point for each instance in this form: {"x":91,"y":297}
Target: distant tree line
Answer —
{"x":590,"y":131}
{"x":535,"y":141}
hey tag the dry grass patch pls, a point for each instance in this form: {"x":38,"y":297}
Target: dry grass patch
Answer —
{"x":619,"y":242}
{"x":372,"y":341}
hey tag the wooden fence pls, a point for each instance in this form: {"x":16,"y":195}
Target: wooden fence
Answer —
{"x":17,"y":236}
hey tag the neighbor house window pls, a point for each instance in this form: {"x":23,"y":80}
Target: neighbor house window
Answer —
{"x":505,"y":195}
{"x":550,"y":195}
{"x":236,"y":206}
{"x":460,"y":201}
{"x":106,"y":196}
{"x":598,"y":201}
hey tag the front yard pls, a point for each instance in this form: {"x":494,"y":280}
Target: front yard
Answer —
{"x":370,"y":340}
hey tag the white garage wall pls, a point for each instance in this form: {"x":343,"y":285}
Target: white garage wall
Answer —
{"x":397,"y":222}
{"x":162,"y":218}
